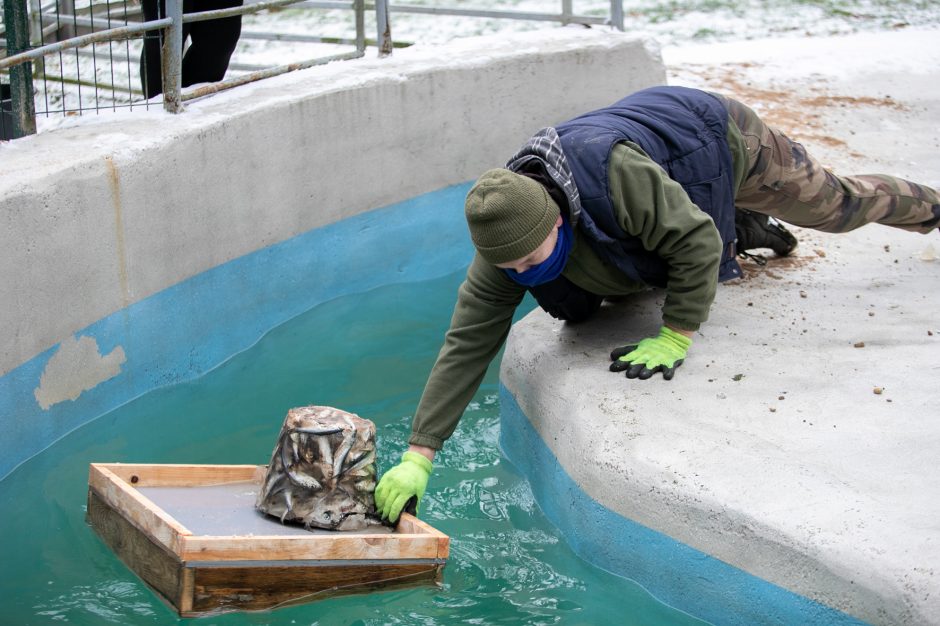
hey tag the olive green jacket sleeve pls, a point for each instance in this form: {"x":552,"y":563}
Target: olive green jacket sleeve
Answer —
{"x":650,"y":206}
{"x":654,"y":208}
{"x":482,"y":316}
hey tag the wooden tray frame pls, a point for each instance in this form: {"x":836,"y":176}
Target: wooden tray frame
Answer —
{"x":203,"y":574}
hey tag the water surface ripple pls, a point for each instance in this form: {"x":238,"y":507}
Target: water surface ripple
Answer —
{"x":369,"y":354}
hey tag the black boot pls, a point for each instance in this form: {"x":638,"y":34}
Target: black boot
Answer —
{"x":756,"y":230}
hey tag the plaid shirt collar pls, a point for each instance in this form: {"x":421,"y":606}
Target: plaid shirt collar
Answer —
{"x":545,"y":146}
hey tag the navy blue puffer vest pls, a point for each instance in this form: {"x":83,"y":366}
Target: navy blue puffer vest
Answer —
{"x":684,"y":131}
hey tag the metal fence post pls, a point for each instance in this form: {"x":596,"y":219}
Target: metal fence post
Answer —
{"x":359,"y":6}
{"x":16,"y":20}
{"x":35,"y":21}
{"x":171,"y":58}
{"x":384,"y":28}
{"x":616,"y":14}
{"x":36,"y":37}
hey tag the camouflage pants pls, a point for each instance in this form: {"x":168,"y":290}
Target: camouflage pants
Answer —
{"x":786,"y":182}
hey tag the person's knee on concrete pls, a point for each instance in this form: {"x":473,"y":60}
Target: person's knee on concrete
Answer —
{"x":564,"y":300}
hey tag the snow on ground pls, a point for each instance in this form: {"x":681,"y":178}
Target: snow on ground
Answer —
{"x":867,"y":101}
{"x":676,"y":23}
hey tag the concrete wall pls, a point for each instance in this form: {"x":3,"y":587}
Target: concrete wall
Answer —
{"x":768,"y":470}
{"x":102,"y":215}
{"x":786,"y":472}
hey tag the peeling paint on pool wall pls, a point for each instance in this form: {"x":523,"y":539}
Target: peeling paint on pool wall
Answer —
{"x":120,"y":236}
{"x":83,"y":378}
{"x":75,"y":367}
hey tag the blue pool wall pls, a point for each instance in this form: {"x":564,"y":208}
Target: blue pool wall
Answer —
{"x":186,"y":330}
{"x":675,"y":573}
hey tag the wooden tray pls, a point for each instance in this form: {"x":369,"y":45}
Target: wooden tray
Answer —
{"x":222,"y":562}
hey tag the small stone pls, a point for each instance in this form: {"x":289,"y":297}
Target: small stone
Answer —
{"x":773,"y":409}
{"x":929,"y":253}
{"x":887,"y":248}
{"x":859,"y":344}
{"x":737,"y":377}
{"x":781,"y":397}
{"x":802,"y":294}
{"x":871,"y":314}
{"x":820,"y":252}
{"x":878,"y":390}
{"x":930,"y":333}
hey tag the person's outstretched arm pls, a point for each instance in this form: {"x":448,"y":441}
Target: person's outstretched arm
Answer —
{"x":482,"y":316}
{"x":657,"y":210}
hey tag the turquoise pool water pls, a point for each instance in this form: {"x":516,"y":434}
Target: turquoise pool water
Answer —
{"x":368,"y":353}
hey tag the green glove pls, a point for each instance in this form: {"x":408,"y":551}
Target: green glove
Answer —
{"x":663,"y":353}
{"x":400,"y":484}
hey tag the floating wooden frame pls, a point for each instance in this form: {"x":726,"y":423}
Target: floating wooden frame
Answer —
{"x":199,"y":573}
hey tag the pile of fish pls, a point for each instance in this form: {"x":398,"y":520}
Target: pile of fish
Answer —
{"x":322,"y":471}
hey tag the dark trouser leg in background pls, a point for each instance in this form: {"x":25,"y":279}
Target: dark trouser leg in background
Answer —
{"x":211,"y":43}
{"x":211,"y":46}
{"x":150,"y":72}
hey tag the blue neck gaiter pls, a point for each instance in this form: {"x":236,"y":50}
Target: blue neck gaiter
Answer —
{"x":550,"y":268}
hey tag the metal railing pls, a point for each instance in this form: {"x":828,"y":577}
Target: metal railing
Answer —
{"x":28,"y":24}
{"x":566,"y":16}
{"x":24,"y":30}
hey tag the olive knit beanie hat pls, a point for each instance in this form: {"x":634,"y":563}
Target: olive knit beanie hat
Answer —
{"x":509,"y":215}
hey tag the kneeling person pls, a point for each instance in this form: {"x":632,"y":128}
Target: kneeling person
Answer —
{"x":646,"y":192}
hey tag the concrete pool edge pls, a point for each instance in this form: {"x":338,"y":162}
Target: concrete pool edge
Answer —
{"x":784,"y":446}
{"x":675,"y":573}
